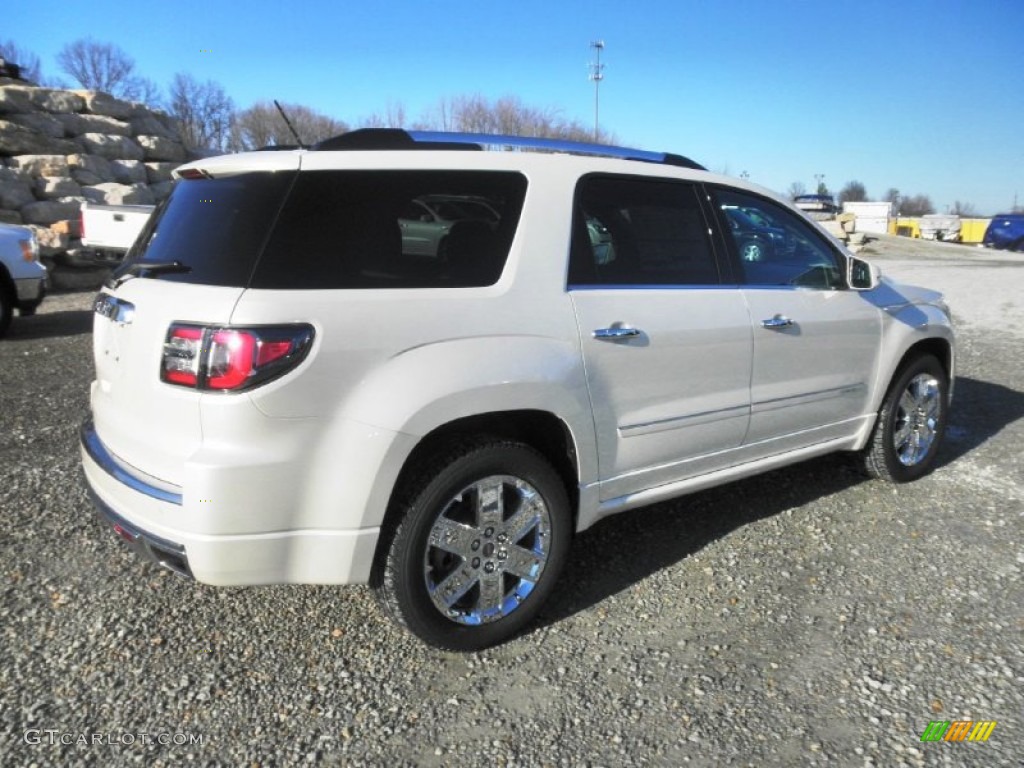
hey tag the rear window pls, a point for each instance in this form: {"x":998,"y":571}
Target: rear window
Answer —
{"x":216,"y":227}
{"x":393,"y":229}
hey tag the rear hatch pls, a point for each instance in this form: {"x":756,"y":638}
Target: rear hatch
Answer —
{"x":190,"y":264}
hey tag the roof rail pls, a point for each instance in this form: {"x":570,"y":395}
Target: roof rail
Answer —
{"x":393,"y":138}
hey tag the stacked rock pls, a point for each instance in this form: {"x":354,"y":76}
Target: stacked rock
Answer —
{"x":60,"y":148}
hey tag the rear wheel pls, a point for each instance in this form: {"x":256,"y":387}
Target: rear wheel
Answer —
{"x":910,"y":426}
{"x":482,"y":535}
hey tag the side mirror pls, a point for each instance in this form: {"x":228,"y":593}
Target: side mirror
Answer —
{"x":861,"y":275}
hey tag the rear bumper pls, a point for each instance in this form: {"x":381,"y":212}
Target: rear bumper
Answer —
{"x":164,"y":553}
{"x":155,"y":520}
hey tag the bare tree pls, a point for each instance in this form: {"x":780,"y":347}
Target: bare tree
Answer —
{"x":97,"y":66}
{"x":261,"y":125}
{"x":393,"y":117}
{"x":508,"y":115}
{"x":27,"y":61}
{"x":853,"y":192}
{"x":916,"y":205}
{"x":205,"y":111}
{"x":143,"y":89}
{"x":796,"y":189}
{"x":963,"y":209}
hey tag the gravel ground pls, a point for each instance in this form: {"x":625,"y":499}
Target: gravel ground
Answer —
{"x":805,"y":617}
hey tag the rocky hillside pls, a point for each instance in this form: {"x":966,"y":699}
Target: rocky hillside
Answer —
{"x":59,"y":148}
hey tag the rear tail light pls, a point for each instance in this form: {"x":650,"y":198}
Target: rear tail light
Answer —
{"x":231,"y":359}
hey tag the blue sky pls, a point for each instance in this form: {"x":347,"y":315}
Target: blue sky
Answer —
{"x":922,"y":96}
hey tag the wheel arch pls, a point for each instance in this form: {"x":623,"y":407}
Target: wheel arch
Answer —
{"x":541,"y":430}
{"x":937,"y":347}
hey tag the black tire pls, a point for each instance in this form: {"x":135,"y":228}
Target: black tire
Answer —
{"x":6,"y":308}
{"x":443,"y":540}
{"x":910,"y":425}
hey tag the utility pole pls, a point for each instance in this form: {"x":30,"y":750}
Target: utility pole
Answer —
{"x":597,"y":75}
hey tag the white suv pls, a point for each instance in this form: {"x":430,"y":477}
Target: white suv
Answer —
{"x":288,"y":392}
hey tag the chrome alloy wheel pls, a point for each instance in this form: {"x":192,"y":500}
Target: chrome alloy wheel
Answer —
{"x":917,"y":417}
{"x":487,"y":550}
{"x":752,"y":251}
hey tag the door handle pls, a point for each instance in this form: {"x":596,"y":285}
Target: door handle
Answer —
{"x":779,"y":321}
{"x":613,"y":334}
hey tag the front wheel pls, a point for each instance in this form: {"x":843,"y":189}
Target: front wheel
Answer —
{"x":910,"y":426}
{"x":6,"y":310}
{"x":483,"y":533}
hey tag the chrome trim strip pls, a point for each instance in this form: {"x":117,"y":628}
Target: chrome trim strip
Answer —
{"x":99,"y":453}
{"x":676,"y":422}
{"x":529,"y":142}
{"x":652,"y":286}
{"x":807,"y":397}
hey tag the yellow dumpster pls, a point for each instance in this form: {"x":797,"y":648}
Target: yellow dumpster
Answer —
{"x":973,"y":230}
{"x":907,"y":227}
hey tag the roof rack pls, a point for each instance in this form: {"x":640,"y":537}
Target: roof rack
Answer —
{"x":393,"y":138}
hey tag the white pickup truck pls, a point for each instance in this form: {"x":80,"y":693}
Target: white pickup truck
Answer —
{"x":108,"y":231}
{"x":23,"y":280}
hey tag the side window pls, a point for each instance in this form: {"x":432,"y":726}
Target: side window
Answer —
{"x":775,"y":246}
{"x":639,"y":231}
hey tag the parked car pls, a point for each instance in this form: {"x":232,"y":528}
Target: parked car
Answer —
{"x":426,"y":221}
{"x":332,"y":409}
{"x":23,"y":279}
{"x":818,"y":206}
{"x":757,"y":236}
{"x":1006,"y":232}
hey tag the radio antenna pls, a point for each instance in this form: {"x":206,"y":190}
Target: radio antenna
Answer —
{"x":290,"y":126}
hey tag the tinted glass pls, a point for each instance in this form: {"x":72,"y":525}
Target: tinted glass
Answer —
{"x":776,"y":246}
{"x":633,"y":231}
{"x":214,"y":226}
{"x":366,"y":229}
